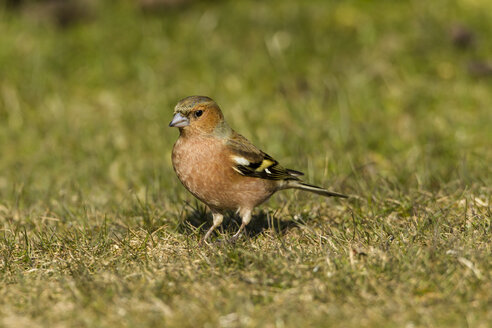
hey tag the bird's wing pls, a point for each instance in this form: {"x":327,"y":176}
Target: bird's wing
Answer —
{"x":250,"y":161}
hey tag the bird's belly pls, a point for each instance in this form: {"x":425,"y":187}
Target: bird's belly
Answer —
{"x":211,"y":178}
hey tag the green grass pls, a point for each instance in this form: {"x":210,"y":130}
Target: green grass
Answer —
{"x":368,"y":98}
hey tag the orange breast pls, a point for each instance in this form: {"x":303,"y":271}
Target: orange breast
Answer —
{"x":204,"y":166}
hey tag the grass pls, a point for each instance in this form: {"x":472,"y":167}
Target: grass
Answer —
{"x":370,"y":98}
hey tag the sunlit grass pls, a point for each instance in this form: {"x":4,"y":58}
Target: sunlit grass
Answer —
{"x":374,"y":100}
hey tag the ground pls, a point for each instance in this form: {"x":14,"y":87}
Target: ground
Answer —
{"x":388,"y":102}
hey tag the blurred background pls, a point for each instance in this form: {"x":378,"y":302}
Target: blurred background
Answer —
{"x":395,"y":90}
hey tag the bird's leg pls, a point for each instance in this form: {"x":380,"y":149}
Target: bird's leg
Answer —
{"x":217,"y":217}
{"x":245,"y":219}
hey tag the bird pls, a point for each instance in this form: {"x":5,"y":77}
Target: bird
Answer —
{"x":223,"y":169}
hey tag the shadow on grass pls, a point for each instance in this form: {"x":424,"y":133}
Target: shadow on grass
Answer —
{"x":198,"y":219}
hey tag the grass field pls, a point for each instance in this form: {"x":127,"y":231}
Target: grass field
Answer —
{"x":387,"y":101}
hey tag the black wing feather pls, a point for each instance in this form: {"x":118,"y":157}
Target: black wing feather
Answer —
{"x":261,"y":165}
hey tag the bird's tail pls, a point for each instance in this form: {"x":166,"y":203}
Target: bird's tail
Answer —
{"x":317,"y":190}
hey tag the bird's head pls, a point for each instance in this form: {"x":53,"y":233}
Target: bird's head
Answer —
{"x":198,"y":115}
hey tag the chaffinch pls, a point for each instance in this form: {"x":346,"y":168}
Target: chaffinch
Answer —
{"x":222,"y":168}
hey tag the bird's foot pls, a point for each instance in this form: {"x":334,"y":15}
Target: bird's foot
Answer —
{"x":217,"y":242}
{"x":237,"y":235}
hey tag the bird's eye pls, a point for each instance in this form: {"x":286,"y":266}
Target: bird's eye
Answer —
{"x":198,"y":113}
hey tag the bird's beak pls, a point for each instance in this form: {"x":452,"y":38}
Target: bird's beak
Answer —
{"x":179,"y":121}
